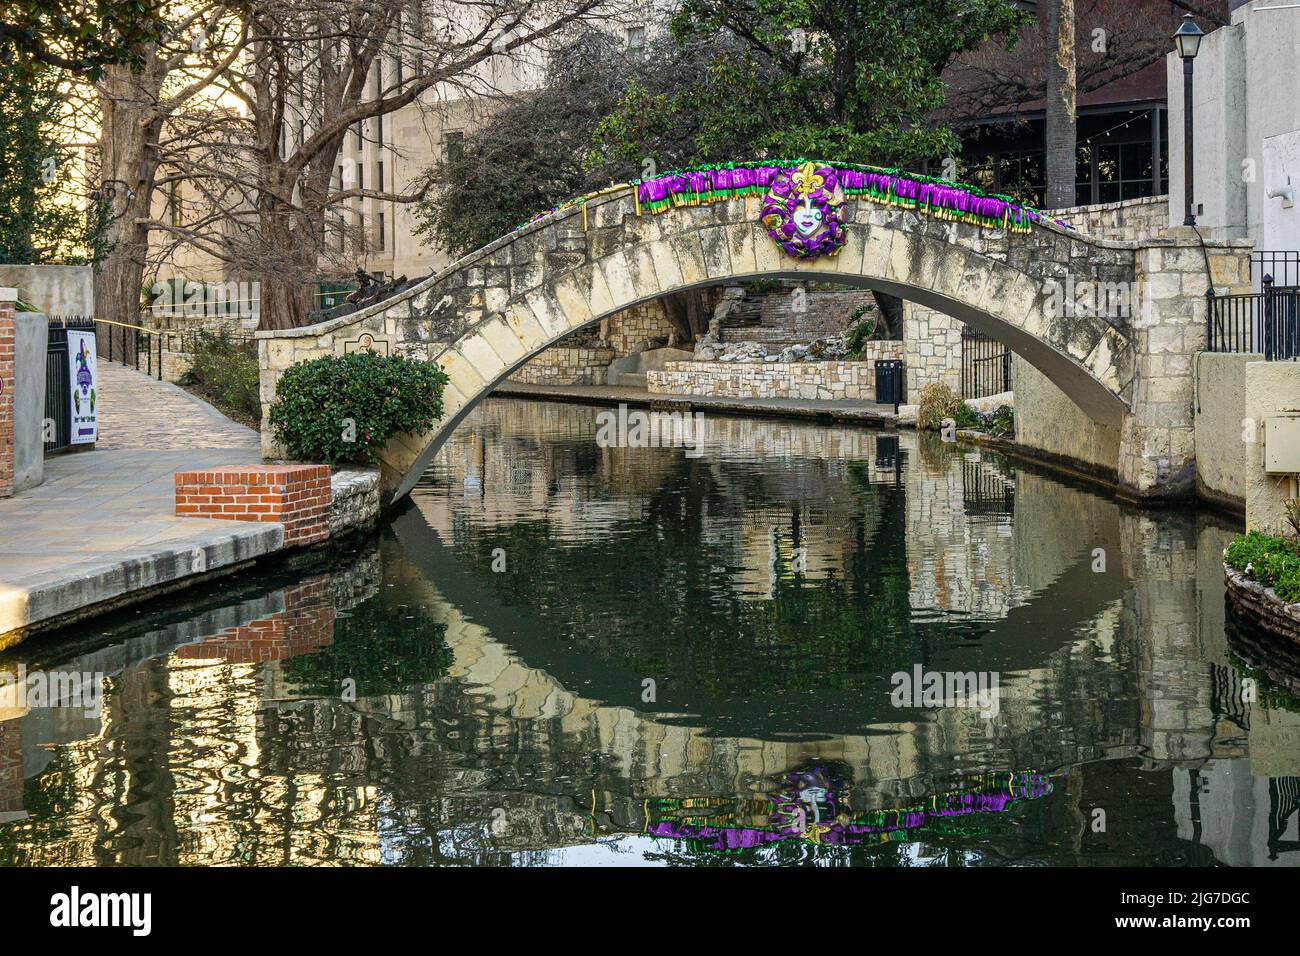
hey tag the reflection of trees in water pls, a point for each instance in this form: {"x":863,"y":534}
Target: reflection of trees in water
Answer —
{"x":378,"y":648}
{"x":656,"y":592}
{"x":1272,"y":662}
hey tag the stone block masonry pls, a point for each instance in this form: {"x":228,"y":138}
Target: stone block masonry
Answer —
{"x":560,"y":365}
{"x":847,"y":381}
{"x":297,"y":496}
{"x":7,"y":389}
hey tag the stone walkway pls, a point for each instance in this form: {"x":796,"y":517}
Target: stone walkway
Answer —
{"x":141,"y":412}
{"x":102,"y":523}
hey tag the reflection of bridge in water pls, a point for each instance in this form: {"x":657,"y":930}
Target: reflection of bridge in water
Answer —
{"x":534,"y":741}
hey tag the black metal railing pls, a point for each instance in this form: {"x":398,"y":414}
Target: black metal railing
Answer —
{"x":1267,"y":323}
{"x":985,"y":365}
{"x":984,"y":492}
{"x":1281,"y":268}
{"x":891,"y":383}
{"x":138,"y":346}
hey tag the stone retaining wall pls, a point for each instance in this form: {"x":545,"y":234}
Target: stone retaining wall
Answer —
{"x":560,"y":365}
{"x":354,"y":504}
{"x":642,"y":326}
{"x":1127,"y":220}
{"x":1262,"y":606}
{"x":854,"y":381}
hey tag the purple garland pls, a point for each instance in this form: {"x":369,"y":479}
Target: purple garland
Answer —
{"x":936,"y":197}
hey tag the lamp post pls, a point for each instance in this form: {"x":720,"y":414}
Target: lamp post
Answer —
{"x":1188,"y":41}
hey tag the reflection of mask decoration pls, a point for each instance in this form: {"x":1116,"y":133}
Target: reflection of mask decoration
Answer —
{"x":813,"y":806}
{"x":802,"y":211}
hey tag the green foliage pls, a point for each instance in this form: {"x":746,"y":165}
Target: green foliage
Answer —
{"x":967,"y":416}
{"x":837,"y":80}
{"x":224,"y":371}
{"x":1293,"y":515}
{"x":1272,"y":561}
{"x":1000,"y":423}
{"x":531,"y":154}
{"x":938,"y":403}
{"x":864,"y":326}
{"x":40,"y":221}
{"x":384,"y":649}
{"x":345,"y":408}
{"x":36,"y":35}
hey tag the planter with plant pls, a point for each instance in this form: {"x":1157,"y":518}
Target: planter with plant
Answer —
{"x":345,"y":408}
{"x":1263,"y":575}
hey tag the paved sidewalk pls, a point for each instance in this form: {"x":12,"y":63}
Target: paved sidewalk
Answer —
{"x":856,"y":411}
{"x":142,"y":412}
{"x":102,"y":524}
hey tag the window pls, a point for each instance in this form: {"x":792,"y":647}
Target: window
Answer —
{"x":379,"y":176}
{"x":636,"y":39}
{"x":455,"y":143}
{"x":380,"y":232}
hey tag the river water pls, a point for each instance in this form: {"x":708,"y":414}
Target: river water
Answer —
{"x":809,"y":643}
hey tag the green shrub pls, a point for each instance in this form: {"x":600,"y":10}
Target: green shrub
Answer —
{"x":863,"y":327}
{"x":968,"y":417}
{"x":1293,"y":515}
{"x":938,"y":403}
{"x":345,"y":408}
{"x":1273,"y":562}
{"x":1001,"y":422}
{"x":224,"y":371}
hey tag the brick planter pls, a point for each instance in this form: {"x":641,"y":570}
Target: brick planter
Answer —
{"x":1262,"y":607}
{"x":297,"y":496}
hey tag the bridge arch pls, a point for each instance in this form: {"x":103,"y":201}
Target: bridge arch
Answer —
{"x":489,"y":313}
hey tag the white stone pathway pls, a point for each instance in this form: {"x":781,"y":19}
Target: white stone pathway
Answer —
{"x":102,"y":523}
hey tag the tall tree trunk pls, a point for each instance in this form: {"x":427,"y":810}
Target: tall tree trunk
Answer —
{"x":1062,"y":89}
{"x":289,"y":261}
{"x":688,"y":310}
{"x":128,"y":156}
{"x":891,"y":314}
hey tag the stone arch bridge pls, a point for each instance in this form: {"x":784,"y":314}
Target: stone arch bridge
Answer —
{"x":487,"y":314}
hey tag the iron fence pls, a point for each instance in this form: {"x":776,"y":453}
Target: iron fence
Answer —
{"x":1280,"y":268}
{"x":141,"y":347}
{"x":984,"y":493}
{"x":58,"y":384}
{"x":1265,"y":322}
{"x":985,"y":365}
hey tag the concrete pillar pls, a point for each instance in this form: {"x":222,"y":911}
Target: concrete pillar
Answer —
{"x":932,"y":349}
{"x":1157,"y":458}
{"x":1272,"y":389}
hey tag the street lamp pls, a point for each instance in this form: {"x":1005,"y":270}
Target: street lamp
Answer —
{"x":1188,"y":41}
